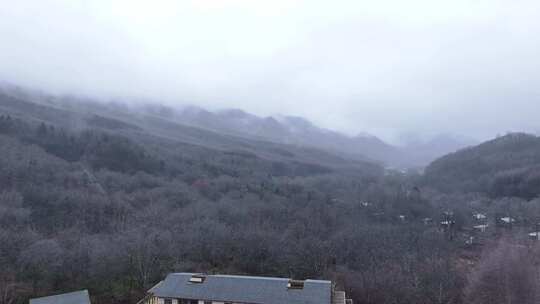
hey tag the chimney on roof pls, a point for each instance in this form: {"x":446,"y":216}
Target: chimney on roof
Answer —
{"x":197,"y":278}
{"x":295,"y":284}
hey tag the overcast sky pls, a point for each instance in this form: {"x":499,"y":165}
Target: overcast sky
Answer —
{"x":381,"y":66}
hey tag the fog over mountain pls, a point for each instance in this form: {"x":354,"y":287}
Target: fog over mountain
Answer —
{"x":387,"y":67}
{"x":299,"y":131}
{"x":413,"y":152}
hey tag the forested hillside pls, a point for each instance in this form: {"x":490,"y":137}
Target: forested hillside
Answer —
{"x":506,"y":166}
{"x":113,"y":201}
{"x":113,"y":206}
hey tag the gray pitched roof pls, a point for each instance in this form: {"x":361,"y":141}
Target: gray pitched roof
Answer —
{"x":77,"y":297}
{"x":243,"y":289}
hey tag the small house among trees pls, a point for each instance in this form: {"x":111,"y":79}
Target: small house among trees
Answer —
{"x":506,"y":222}
{"x":481,"y":227}
{"x":479,"y":216}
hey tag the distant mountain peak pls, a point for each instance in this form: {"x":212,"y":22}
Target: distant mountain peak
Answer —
{"x":365,"y":135}
{"x":515,"y":135}
{"x":191,"y":109}
{"x":234,"y":113}
{"x":295,"y":121}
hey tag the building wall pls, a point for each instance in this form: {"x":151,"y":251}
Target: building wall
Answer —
{"x":338,"y":298}
{"x":155,"y":300}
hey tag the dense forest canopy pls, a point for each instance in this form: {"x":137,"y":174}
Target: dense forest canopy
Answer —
{"x":112,"y":201}
{"x":506,"y":166}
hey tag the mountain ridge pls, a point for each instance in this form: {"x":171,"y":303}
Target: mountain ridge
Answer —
{"x":505,"y":166}
{"x":281,"y":129}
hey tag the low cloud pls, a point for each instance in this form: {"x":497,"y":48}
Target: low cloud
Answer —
{"x":386,"y":67}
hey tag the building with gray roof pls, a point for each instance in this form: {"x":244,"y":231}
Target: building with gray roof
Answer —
{"x":77,"y":297}
{"x":192,"y":288}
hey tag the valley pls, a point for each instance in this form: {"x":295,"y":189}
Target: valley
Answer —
{"x":111,"y":198}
